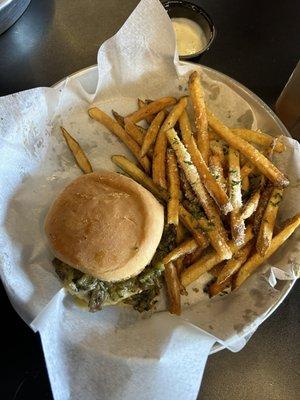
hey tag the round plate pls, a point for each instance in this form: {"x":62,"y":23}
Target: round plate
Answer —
{"x":266,"y":119}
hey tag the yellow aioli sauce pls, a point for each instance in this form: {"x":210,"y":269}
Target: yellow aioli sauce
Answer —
{"x":190,"y":37}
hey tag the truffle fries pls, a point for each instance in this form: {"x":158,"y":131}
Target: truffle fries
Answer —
{"x":160,"y":148}
{"x":258,"y":159}
{"x":197,"y":98}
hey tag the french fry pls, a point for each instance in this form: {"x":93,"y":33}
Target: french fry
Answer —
{"x":117,"y":130}
{"x":193,"y":225}
{"x":247,"y":169}
{"x":173,"y":288}
{"x":235,"y":192}
{"x":179,"y":268}
{"x":217,"y":231}
{"x":152,"y":132}
{"x":233,"y":265}
{"x":245,"y":184}
{"x":265,"y":233}
{"x":139,"y":176}
{"x":216,"y":270}
{"x":79,"y":155}
{"x":195,"y":255}
{"x":212,"y":186}
{"x":197,"y":227}
{"x":256,"y":259}
{"x":160,"y":148}
{"x":120,"y":121}
{"x":197,"y":98}
{"x":141,"y":104}
{"x":215,"y":288}
{"x":259,"y":138}
{"x":216,"y":168}
{"x":118,"y":118}
{"x":174,"y":188}
{"x":209,"y":260}
{"x":259,"y":160}
{"x":134,"y":132}
{"x":152,"y":108}
{"x":251,"y":206}
{"x":265,"y":194}
{"x":184,"y":248}
{"x":181,"y":233}
{"x":219,"y":149}
{"x":187,"y":188}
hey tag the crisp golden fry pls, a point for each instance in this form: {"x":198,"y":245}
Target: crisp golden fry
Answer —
{"x":120,"y":121}
{"x":160,"y":148}
{"x":251,"y":205}
{"x":216,"y":169}
{"x":181,"y":233}
{"x":265,"y":194}
{"x":235,"y":192}
{"x":216,"y":270}
{"x":209,"y":260}
{"x":117,"y":130}
{"x":174,"y":188}
{"x":134,"y":132}
{"x":218,"y":235}
{"x":259,"y":160}
{"x":215,"y":288}
{"x":152,"y":132}
{"x":265,"y":233}
{"x":173,"y":289}
{"x":118,"y":118}
{"x":151,"y":108}
{"x":197,"y":98}
{"x":233,"y":265}
{"x":80,"y":158}
{"x":247,"y":169}
{"x":141,"y":104}
{"x":179,"y":267}
{"x":184,"y":248}
{"x":256,"y":259}
{"x":195,"y":255}
{"x":259,"y":138}
{"x":219,"y":149}
{"x":245,"y":184}
{"x":139,"y":176}
{"x":212,"y":186}
{"x":197,"y":226}
{"x":187,"y":188}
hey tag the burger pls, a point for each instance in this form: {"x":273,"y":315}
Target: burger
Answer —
{"x":105,"y":232}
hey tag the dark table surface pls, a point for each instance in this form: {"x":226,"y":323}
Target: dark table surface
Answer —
{"x":258,"y":45}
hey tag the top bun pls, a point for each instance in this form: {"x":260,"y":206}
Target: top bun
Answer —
{"x":106,"y":225}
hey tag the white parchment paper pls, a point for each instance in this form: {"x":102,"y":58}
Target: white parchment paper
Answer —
{"x":116,"y":353}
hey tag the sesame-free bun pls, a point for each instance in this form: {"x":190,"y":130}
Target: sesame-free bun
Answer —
{"x":106,"y":225}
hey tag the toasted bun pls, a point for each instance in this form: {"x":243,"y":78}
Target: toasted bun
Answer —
{"x":106,"y":225}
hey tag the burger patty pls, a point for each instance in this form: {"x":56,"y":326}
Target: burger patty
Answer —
{"x":96,"y":293}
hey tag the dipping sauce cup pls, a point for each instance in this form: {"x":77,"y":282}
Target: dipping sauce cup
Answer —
{"x":193,"y":27}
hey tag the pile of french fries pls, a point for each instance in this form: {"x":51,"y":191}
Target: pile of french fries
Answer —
{"x":219,"y":186}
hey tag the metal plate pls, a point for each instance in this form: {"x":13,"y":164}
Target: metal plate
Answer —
{"x":267,"y":120}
